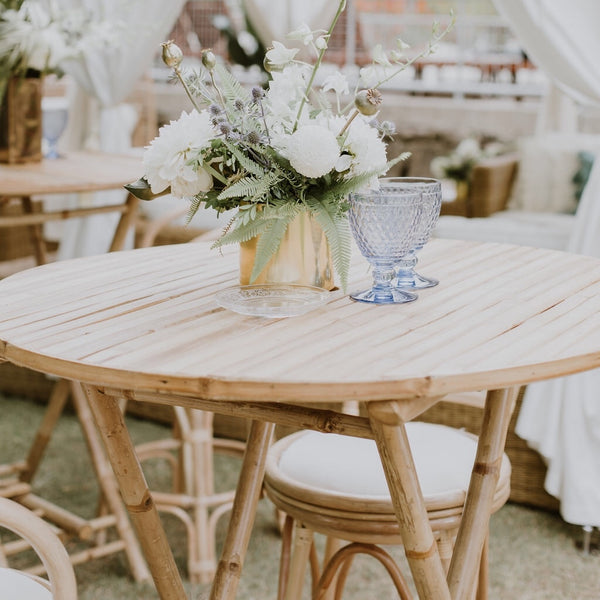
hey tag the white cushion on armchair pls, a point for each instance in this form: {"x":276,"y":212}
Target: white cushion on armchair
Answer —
{"x":542,"y":230}
{"x":542,"y":203}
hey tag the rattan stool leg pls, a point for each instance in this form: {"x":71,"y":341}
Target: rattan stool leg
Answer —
{"x":303,"y":539}
{"x":247,"y":494}
{"x":332,"y":545}
{"x":340,"y":563}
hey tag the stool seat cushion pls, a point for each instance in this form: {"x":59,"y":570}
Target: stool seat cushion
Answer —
{"x":443,"y":456}
{"x":16,"y":585}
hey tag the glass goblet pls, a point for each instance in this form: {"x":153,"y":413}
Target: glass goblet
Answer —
{"x":430,"y":191}
{"x":55,"y":113}
{"x":383,"y":223}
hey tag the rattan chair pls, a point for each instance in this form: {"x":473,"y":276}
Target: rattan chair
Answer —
{"x":19,"y":585}
{"x":335,"y":485}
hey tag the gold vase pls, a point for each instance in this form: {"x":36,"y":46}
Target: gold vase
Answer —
{"x":21,"y":121}
{"x":304,"y":257}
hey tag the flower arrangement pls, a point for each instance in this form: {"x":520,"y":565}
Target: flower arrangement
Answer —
{"x":36,"y":38}
{"x":277,"y":152}
{"x":459,"y":164}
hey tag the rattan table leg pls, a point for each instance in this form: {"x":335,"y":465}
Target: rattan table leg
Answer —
{"x":247,"y":494}
{"x":135,"y":493}
{"x":37,"y":237}
{"x":56,"y":404}
{"x":419,"y":542}
{"x":125,"y":223}
{"x":108,"y":485}
{"x":474,"y":526}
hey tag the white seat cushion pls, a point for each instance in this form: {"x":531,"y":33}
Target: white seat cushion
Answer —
{"x":541,"y":230}
{"x":443,"y":457}
{"x":16,"y":585}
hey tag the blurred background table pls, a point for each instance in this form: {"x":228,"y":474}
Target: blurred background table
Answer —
{"x":75,"y":172}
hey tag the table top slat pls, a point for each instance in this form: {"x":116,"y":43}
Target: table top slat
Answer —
{"x":502,"y":315}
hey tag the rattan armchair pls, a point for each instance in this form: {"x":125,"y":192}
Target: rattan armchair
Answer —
{"x":19,"y":585}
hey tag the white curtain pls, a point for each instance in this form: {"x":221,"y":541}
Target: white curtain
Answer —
{"x":561,"y":417}
{"x":272,"y":20}
{"x":98,"y":118}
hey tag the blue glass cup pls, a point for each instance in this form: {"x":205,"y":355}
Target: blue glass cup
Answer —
{"x":430,"y":191}
{"x":384,"y":225}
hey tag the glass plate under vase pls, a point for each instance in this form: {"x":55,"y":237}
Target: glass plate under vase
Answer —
{"x":303,"y":258}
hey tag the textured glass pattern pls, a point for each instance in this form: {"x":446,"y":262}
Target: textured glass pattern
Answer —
{"x":430,"y":192}
{"x":384,"y":225}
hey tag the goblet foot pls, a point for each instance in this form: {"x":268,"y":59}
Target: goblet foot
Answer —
{"x":391,"y":296}
{"x":413,"y":281}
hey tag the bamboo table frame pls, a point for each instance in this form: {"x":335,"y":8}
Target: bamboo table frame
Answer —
{"x":75,"y":172}
{"x":143,"y":325}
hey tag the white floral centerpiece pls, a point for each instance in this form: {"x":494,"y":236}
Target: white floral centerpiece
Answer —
{"x":278,"y":152}
{"x":36,"y":38}
{"x":459,"y":164}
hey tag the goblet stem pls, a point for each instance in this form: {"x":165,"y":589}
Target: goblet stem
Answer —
{"x":408,"y":278}
{"x":382,"y":291}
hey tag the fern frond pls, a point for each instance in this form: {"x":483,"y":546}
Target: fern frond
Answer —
{"x":270,"y":240}
{"x":230,"y":86}
{"x":252,"y":188}
{"x":247,"y":163}
{"x":193,"y":209}
{"x":241,"y":233}
{"x":337,"y":232}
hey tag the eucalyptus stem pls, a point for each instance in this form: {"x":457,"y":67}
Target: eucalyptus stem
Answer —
{"x":340,"y":9}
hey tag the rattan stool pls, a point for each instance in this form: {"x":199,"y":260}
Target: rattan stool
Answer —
{"x":335,"y":485}
{"x":19,"y":585}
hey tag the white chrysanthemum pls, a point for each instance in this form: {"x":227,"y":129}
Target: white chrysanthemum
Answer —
{"x":312,"y":150}
{"x":167,"y":159}
{"x":364,"y":145}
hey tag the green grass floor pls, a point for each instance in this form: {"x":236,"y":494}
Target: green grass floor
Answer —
{"x":533,"y":554}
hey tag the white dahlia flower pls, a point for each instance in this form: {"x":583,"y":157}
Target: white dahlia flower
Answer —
{"x":367,"y":148}
{"x":170,"y":159}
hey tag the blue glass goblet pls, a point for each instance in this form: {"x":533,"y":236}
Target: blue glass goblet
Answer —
{"x":383,"y":223}
{"x":430,"y":191}
{"x":55,"y":114}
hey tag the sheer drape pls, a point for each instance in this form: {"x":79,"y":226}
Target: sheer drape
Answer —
{"x":98,"y":119}
{"x":561,"y":417}
{"x":273,"y":20}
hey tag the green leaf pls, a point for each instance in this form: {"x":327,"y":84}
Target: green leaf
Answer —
{"x":141,"y":189}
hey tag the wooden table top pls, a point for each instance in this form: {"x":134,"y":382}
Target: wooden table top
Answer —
{"x":147,"y":319}
{"x":74,"y":172}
